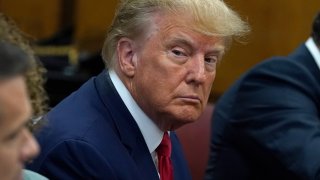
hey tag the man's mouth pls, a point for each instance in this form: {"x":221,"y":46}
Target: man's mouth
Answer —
{"x":191,"y":98}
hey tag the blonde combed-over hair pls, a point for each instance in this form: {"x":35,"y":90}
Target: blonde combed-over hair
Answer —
{"x":211,"y":17}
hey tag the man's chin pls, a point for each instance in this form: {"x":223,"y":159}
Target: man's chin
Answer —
{"x":184,"y":121}
{"x":178,"y":125}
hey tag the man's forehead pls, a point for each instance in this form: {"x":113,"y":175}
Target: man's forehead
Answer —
{"x":181,"y":18}
{"x":179,"y":25}
{"x":212,"y":43}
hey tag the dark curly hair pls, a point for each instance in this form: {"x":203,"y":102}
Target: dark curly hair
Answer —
{"x":10,"y":33}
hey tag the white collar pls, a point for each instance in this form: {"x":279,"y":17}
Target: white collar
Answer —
{"x":314,"y":50}
{"x":150,"y":131}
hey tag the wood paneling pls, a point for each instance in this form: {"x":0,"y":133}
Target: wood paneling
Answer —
{"x":39,"y":18}
{"x":278,"y":27}
{"x":91,"y":21}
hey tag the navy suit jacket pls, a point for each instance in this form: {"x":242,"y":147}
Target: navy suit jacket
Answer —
{"x":92,"y":135}
{"x":267,"y":125}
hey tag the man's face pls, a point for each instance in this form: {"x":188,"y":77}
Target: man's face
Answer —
{"x":175,"y":69}
{"x":17,"y":145}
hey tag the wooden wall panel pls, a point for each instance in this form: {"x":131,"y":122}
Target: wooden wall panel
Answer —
{"x":39,"y":18}
{"x":278,"y":27}
{"x":91,"y":21}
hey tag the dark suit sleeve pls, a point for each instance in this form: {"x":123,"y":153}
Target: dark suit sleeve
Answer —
{"x":76,"y":160}
{"x":277,"y":108}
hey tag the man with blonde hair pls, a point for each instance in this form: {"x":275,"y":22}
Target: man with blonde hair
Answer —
{"x":161,"y":58}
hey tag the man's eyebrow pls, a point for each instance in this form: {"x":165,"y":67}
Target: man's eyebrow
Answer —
{"x":220,"y":50}
{"x":16,"y":130}
{"x":189,"y":42}
{"x":183,"y":41}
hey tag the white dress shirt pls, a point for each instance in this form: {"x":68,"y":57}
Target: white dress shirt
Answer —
{"x":150,"y":131}
{"x":314,"y":50}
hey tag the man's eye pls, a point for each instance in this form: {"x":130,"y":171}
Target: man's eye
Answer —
{"x":211,"y":60}
{"x":12,"y":136}
{"x":178,"y":52}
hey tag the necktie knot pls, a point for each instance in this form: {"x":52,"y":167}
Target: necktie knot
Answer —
{"x":164,"y":149}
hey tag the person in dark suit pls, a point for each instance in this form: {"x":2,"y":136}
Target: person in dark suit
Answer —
{"x":161,"y":57}
{"x":267,"y":125}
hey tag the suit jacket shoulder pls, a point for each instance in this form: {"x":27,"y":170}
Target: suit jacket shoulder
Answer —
{"x":92,"y":135}
{"x":267,"y":120}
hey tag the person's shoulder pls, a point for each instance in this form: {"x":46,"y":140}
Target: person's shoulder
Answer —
{"x":275,"y":62}
{"x":277,"y":67}
{"x":30,"y":175}
{"x":263,"y":71}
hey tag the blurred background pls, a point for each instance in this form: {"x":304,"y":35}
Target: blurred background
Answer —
{"x":69,"y":35}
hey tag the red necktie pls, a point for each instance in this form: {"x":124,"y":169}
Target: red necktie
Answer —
{"x":164,"y":161}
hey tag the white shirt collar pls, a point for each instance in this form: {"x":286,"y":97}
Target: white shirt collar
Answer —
{"x":314,"y":50}
{"x":150,"y":131}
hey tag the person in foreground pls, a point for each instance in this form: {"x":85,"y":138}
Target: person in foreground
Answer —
{"x":21,"y":98}
{"x":161,"y":57}
{"x":267,"y":125}
{"x":11,"y":33}
{"x":17,"y":145}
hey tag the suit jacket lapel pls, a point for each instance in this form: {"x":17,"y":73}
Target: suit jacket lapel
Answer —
{"x":126,"y":127}
{"x":303,"y":56}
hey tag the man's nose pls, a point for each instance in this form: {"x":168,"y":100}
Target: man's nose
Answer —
{"x":30,"y":147}
{"x":197,"y":70}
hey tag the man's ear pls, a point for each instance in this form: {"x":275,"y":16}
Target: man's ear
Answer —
{"x":126,"y":53}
